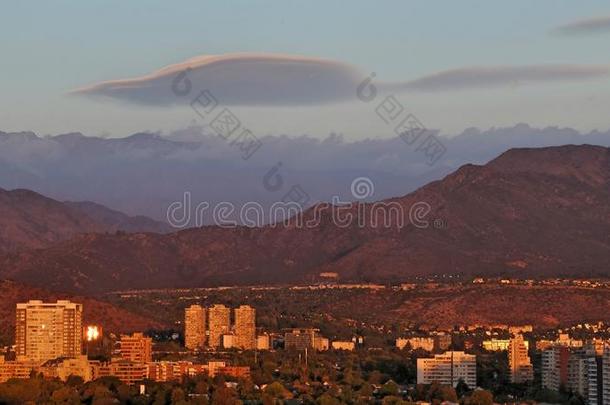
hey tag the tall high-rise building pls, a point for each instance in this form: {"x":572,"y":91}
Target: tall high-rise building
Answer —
{"x":583,"y":376}
{"x":577,"y":369}
{"x":136,"y":348}
{"x":594,"y":382}
{"x":555,"y":361}
{"x":46,"y":331}
{"x":245,"y":327}
{"x":521,"y":369}
{"x":219,"y":318}
{"x":448,"y":369}
{"x":606,"y":376}
{"x":194,"y":327}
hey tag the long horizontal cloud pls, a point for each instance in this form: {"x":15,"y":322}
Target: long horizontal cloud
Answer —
{"x":496,"y":76}
{"x":279,"y":80}
{"x":587,"y":26}
{"x":238,"y":79}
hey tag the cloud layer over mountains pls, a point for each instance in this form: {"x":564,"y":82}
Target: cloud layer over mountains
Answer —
{"x":145,"y":173}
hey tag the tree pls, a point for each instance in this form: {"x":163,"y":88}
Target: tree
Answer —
{"x":276,"y":390}
{"x":389,"y":388}
{"x":225,"y":396}
{"x":178,"y":396}
{"x":441,"y":393}
{"x":481,"y":397}
{"x":392,"y":400}
{"x":366,"y":390}
{"x":448,"y":394}
{"x":326,"y":399}
{"x":461,"y":388}
{"x":201,"y":387}
{"x":65,"y":395}
{"x":75,"y":381}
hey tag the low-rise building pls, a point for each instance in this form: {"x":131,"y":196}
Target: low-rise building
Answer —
{"x":17,"y":369}
{"x":136,"y":348}
{"x":321,"y":343}
{"x":308,"y":338}
{"x":129,"y":372}
{"x":516,"y":330}
{"x":448,"y":369}
{"x":343,"y":345}
{"x":423,"y":343}
{"x":229,"y":341}
{"x":79,"y":366}
{"x":263,"y":342}
{"x":164,"y":371}
{"x":498,"y":345}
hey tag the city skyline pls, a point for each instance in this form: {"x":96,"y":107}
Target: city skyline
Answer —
{"x":294,"y":203}
{"x":578,"y":365}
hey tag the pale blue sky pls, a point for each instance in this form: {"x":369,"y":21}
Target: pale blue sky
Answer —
{"x":49,"y":48}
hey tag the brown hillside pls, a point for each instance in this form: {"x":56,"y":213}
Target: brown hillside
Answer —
{"x":530,"y":212}
{"x":112,"y":319}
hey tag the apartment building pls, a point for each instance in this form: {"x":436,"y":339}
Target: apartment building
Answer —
{"x":136,"y":348}
{"x":308,"y":338}
{"x":194,"y":327}
{"x":605,"y":386}
{"x":245,"y":327}
{"x":448,"y":369}
{"x":219,"y":319}
{"x":520,"y":365}
{"x":45,"y":331}
{"x":347,"y":345}
{"x":263,"y":342}
{"x":555,"y":367}
{"x":423,"y":343}
{"x":129,"y":372}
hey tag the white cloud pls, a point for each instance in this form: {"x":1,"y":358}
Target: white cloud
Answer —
{"x":238,"y":79}
{"x":587,"y":26}
{"x":495,"y":76}
{"x":281,"y":80}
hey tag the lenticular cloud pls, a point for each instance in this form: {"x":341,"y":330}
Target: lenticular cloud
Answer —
{"x":283,"y":80}
{"x":238,"y":79}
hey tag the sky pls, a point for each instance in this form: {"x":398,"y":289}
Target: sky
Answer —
{"x":52,"y":48}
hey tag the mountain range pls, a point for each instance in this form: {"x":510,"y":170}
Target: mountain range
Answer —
{"x":530,"y":212}
{"x":30,"y":220}
{"x":142,"y":174}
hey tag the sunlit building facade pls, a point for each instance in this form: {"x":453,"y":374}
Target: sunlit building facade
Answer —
{"x":219,"y":324}
{"x":194,"y":327}
{"x":136,"y":348}
{"x":245,"y":327}
{"x":521,"y":369}
{"x":448,"y":369}
{"x":45,"y":331}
